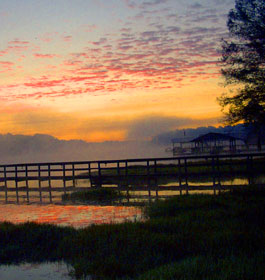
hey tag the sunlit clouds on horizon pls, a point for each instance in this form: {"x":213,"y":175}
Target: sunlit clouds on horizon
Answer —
{"x":91,"y":69}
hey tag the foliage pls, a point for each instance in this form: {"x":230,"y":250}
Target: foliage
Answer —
{"x":243,"y":59}
{"x":205,"y":268}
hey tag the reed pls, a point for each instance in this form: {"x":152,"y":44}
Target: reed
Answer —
{"x":94,"y":195}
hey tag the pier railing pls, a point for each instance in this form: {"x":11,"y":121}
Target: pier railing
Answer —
{"x":152,"y":175}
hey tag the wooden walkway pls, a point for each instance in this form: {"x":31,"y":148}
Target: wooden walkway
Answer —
{"x":183,"y":174}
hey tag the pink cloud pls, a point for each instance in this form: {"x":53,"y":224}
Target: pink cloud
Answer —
{"x":43,"y":84}
{"x":157,"y":56}
{"x":18,"y":42}
{"x":39,"y":55}
{"x":49,"y":37}
{"x":6,"y":63}
{"x":4,"y":52}
{"x":18,"y":48}
{"x":100,"y":42}
{"x":67,"y":38}
{"x":88,"y":27}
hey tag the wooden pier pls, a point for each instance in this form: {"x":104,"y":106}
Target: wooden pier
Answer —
{"x":152,"y":175}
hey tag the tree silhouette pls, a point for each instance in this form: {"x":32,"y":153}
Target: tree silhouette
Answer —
{"x":243,"y":64}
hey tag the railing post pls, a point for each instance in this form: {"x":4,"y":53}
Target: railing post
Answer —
{"x":99,"y":176}
{"x":127,"y":180}
{"x":89,"y":173}
{"x":250,"y":170}
{"x":16,"y":179}
{"x":186,"y":176}
{"x":64,"y":179}
{"x":218,"y":173}
{"x":148,"y":179}
{"x":50,"y":186}
{"x":155,"y":174}
{"x":89,"y":169}
{"x":5,"y":180}
{"x":180,"y":179}
{"x":119,"y":180}
{"x":73,"y":174}
{"x":213,"y":176}
{"x":231,"y":169}
{"x":27,"y":182}
{"x":39,"y":176}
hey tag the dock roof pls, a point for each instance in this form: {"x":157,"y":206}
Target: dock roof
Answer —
{"x":212,"y":136}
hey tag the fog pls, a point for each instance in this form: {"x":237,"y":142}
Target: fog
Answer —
{"x":45,"y":148}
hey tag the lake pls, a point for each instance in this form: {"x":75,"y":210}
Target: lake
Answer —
{"x":77,"y":216}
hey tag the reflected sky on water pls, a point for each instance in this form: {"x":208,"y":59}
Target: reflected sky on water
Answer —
{"x":77,"y":216}
{"x":68,"y":215}
{"x":44,"y":271}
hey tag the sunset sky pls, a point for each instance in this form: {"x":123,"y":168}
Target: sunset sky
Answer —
{"x":102,"y":70}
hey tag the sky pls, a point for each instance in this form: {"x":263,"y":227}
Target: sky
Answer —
{"x":110,"y":70}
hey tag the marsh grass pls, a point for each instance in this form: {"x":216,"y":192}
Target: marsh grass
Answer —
{"x":185,"y":237}
{"x":208,"y":268}
{"x":94,"y":196}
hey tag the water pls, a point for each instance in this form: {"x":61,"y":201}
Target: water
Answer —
{"x":77,"y":216}
{"x":68,"y":215}
{"x":44,"y":271}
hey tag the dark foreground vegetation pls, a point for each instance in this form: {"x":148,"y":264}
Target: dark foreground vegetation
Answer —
{"x":100,"y":195}
{"x":187,"y":237}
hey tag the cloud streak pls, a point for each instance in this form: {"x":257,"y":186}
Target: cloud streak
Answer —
{"x":167,"y":52}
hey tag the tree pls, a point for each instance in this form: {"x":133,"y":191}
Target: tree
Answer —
{"x":243,"y":64}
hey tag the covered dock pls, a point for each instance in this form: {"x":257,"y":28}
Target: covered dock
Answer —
{"x":210,"y":143}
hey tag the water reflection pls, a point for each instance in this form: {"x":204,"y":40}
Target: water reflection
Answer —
{"x":68,"y":215}
{"x":44,"y":271}
{"x":77,"y":216}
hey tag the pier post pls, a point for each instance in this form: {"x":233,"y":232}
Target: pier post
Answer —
{"x":119,"y":180}
{"x":50,"y":186}
{"x":73,"y":174}
{"x":249,"y":166}
{"x":155,"y":173}
{"x":16,"y":182}
{"x":89,"y":169}
{"x":214,"y":176}
{"x":180,"y":179}
{"x":218,"y":174}
{"x":64,"y":179}
{"x":148,"y":179}
{"x":5,"y":180}
{"x":39,"y":177}
{"x":27,"y":182}
{"x":186,"y":176}
{"x":127,"y":180}
{"x":99,"y":175}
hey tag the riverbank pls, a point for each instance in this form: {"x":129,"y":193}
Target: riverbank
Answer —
{"x":185,"y":237}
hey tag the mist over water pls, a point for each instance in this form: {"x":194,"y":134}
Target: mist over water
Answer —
{"x":45,"y":148}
